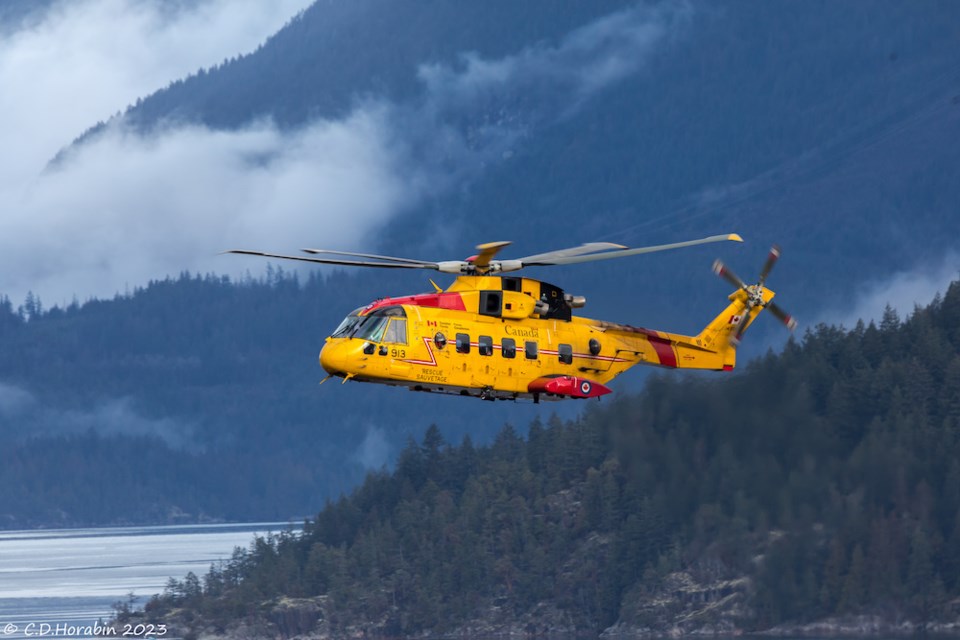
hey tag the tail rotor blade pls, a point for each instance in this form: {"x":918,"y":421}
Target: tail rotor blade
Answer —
{"x":782,"y":315}
{"x":724,"y":272}
{"x":772,"y":258}
{"x":741,"y":326}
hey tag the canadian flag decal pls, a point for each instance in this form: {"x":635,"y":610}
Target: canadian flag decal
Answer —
{"x":734,"y":319}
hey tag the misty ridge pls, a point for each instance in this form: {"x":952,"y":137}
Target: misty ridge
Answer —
{"x":29,"y":418}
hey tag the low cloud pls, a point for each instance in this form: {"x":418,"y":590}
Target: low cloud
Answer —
{"x":904,"y":291}
{"x":374,"y":452}
{"x":474,"y":111}
{"x":76,"y":62}
{"x":585,"y":61}
{"x":129,"y":206}
{"x":24,"y":416}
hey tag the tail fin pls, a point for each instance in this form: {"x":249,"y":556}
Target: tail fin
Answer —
{"x":718,"y":335}
{"x":716,"y":346}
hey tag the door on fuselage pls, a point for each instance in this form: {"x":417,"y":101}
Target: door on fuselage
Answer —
{"x":486,"y":364}
{"x":396,"y":345}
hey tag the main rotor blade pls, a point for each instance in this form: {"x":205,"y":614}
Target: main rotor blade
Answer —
{"x":349,"y":263}
{"x":590,"y":247}
{"x":372,"y":256}
{"x":724,"y":272}
{"x":487,"y":251}
{"x":633,"y":252}
{"x":772,"y":258}
{"x":781,"y":315}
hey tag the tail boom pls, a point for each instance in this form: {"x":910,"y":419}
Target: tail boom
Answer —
{"x":713,"y":349}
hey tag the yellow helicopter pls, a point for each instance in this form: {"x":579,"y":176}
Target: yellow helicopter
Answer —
{"x":498,"y":337}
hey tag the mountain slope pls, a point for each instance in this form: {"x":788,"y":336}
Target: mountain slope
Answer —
{"x":336,"y":52}
{"x":776,"y":121}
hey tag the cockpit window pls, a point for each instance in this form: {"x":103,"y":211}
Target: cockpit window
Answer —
{"x":396,"y":331}
{"x":371,"y":329}
{"x":371,"y":326}
{"x":390,"y":311}
{"x":348,"y":325}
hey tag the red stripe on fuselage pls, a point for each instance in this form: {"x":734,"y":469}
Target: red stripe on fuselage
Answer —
{"x":664,"y":349}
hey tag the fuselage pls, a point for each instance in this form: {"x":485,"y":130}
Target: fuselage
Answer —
{"x":498,"y":337}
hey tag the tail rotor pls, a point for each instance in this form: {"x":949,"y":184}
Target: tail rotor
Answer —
{"x":754,"y":295}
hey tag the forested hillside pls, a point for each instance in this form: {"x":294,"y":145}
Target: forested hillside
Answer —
{"x":823,"y":481}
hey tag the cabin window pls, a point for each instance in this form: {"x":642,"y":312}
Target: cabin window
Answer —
{"x":485,"y":345}
{"x":463,"y":343}
{"x":530,"y":350}
{"x":508,"y":347}
{"x":396,"y":331}
{"x":565,"y":352}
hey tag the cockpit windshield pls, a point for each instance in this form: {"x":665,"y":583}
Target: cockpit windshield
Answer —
{"x":369,"y":327}
{"x":348,"y":325}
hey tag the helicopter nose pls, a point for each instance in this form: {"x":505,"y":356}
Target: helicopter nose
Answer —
{"x":332,"y":359}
